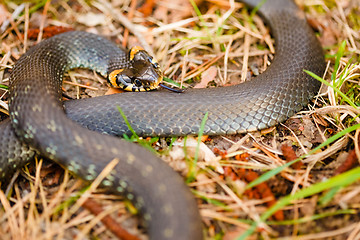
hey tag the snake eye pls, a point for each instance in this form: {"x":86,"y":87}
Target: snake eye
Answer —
{"x":138,"y":83}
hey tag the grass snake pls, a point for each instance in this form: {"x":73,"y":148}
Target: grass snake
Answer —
{"x":39,"y":123}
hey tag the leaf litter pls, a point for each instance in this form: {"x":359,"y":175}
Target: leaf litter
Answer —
{"x":183,"y":43}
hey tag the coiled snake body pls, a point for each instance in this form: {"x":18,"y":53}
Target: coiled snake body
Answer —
{"x":38,"y":119}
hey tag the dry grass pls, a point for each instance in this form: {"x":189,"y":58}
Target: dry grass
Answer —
{"x":194,"y":50}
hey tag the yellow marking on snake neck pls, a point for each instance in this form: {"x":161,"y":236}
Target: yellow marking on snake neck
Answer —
{"x":134,"y":50}
{"x":112,"y":77}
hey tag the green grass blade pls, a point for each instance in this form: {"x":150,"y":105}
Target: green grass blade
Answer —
{"x":275,"y":171}
{"x":340,"y":180}
{"x":337,"y":181}
{"x":201,"y":133}
{"x":346,"y":98}
{"x":169,"y":80}
{"x":256,"y":8}
{"x":4,"y":87}
{"x":312,"y":217}
{"x":127,"y":122}
{"x":323,"y":200}
{"x":198,"y":13}
{"x":135,"y":137}
{"x":192,"y":171}
{"x":338,"y":57}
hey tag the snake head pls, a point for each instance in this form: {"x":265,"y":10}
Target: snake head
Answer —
{"x":143,"y":73}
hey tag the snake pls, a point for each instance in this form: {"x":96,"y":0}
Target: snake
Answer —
{"x":40,"y":123}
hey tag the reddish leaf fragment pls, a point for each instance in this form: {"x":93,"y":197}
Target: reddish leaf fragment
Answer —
{"x":260,"y":191}
{"x":108,"y":221}
{"x":147,"y":8}
{"x":219,"y":152}
{"x":48,"y":32}
{"x":350,"y":162}
{"x":243,"y":157}
{"x":290,"y":155}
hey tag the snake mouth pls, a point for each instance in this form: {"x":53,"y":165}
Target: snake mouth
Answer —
{"x":141,"y":85}
{"x":127,"y":80}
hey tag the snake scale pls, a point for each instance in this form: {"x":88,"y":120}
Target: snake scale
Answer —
{"x":39,"y":123}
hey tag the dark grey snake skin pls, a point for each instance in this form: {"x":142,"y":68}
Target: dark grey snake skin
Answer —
{"x":38,"y":119}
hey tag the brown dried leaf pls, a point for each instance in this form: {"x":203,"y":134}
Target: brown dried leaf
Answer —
{"x":328,"y":37}
{"x":207,"y":76}
{"x":113,"y":91}
{"x":329,"y":33}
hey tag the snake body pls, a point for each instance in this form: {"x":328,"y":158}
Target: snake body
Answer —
{"x":39,"y":124}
